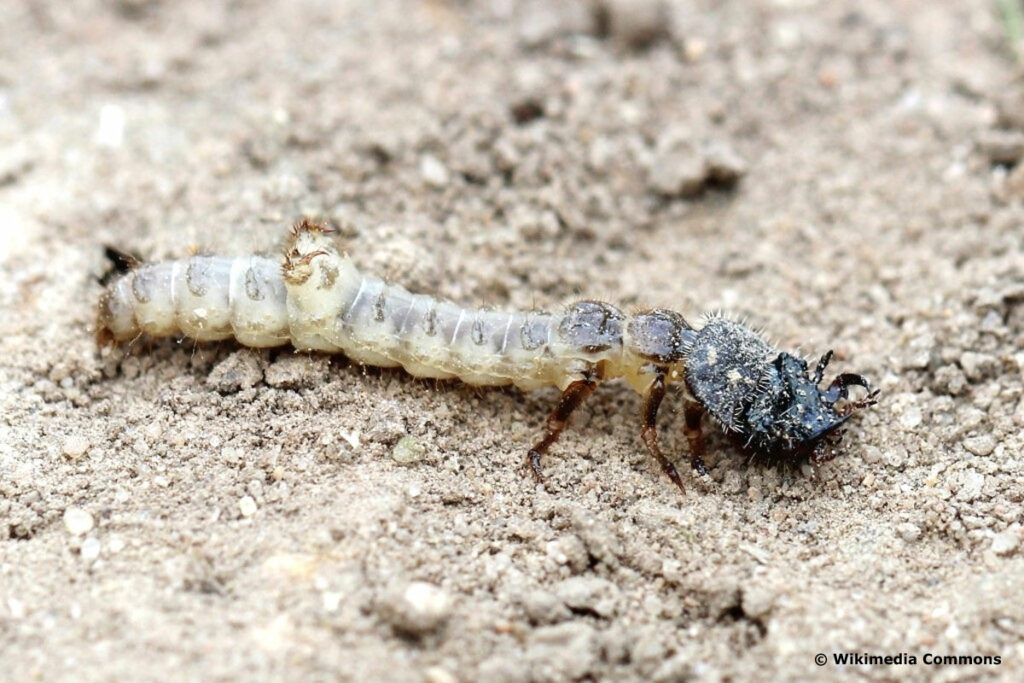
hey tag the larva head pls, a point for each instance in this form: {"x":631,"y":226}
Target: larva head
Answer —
{"x":767,"y":399}
{"x":308,"y":240}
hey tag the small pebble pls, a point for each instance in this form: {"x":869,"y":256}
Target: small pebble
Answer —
{"x":677,"y":172}
{"x":247,"y":506}
{"x":682,"y":170}
{"x":291,"y":565}
{"x":543,"y":21}
{"x":872,"y":455}
{"x":110,"y":132}
{"x":723,"y":165}
{"x":331,"y":601}
{"x":1002,"y":146}
{"x":417,"y":608}
{"x":694,"y":49}
{"x":911,"y":417}
{"x":950,"y":379}
{"x":895,"y":457}
{"x":436,"y":674}
{"x":433,"y":172}
{"x":407,"y":451}
{"x":568,"y":549}
{"x":75,"y":447}
{"x":351,"y":438}
{"x":240,"y":370}
{"x":16,"y":608}
{"x":1005,"y":543}
{"x":90,"y":549}
{"x":909,"y":532}
{"x":634,"y":23}
{"x":971,"y":483}
{"x":542,"y":607}
{"x":589,"y":594}
{"x":919,"y":352}
{"x":152,"y":431}
{"x":77,"y":521}
{"x":297,"y":371}
{"x":563,"y":652}
{"x":980,"y":445}
{"x":978,"y":366}
{"x":757,"y":600}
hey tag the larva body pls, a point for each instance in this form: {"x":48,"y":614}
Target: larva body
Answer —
{"x":328,"y":305}
{"x":318,"y":300}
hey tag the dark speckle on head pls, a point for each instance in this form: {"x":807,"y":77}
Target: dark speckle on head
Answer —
{"x":592,"y":326}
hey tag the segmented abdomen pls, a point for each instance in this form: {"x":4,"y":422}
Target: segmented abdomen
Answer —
{"x":334,"y":308}
{"x":204,"y":297}
{"x":383,"y":324}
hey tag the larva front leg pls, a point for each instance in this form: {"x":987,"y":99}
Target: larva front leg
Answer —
{"x":572,"y":397}
{"x":649,"y":426}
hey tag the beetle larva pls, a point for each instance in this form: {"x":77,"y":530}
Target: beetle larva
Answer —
{"x":317,"y":300}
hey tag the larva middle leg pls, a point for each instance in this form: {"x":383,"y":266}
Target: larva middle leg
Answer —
{"x":572,"y":398}
{"x":649,"y":426}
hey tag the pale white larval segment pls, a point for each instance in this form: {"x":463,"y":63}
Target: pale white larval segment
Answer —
{"x":258,"y":302}
{"x":206,"y":298}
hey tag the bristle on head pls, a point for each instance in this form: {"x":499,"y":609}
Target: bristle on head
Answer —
{"x":307,"y":224}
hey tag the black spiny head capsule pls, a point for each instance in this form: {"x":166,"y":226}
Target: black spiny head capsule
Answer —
{"x":766,"y":398}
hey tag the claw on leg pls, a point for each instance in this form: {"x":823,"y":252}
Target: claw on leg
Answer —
{"x":649,"y":430}
{"x":839,"y":386}
{"x":573,"y":396}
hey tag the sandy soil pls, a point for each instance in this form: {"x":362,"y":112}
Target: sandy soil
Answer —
{"x":213,"y":513}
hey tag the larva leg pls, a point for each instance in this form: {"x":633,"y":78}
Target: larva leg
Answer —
{"x":649,"y":428}
{"x":692,"y":414}
{"x":573,"y":396}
